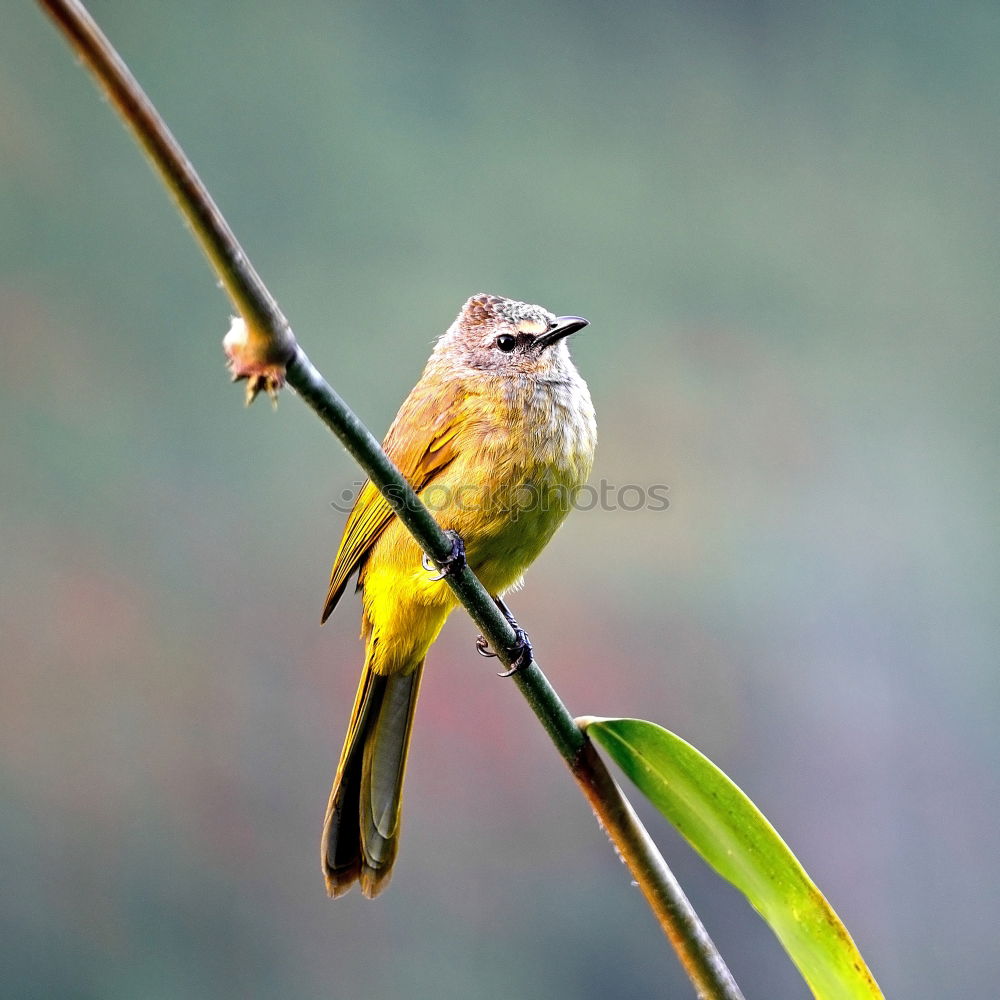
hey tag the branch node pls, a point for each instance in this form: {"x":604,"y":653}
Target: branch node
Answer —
{"x":258,"y":357}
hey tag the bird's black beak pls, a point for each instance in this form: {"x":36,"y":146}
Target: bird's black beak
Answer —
{"x":561,"y":327}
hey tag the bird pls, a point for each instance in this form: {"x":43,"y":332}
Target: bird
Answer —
{"x":496,"y":437}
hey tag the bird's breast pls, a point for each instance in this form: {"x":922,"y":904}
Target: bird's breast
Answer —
{"x":524,"y":455}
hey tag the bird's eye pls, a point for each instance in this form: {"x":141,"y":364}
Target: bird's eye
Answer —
{"x":506,"y":343}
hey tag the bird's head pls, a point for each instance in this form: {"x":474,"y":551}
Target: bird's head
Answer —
{"x":505,"y":337}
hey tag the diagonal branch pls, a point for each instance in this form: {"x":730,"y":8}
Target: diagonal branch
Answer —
{"x":271,"y":346}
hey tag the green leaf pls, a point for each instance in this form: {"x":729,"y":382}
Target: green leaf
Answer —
{"x":736,"y":839}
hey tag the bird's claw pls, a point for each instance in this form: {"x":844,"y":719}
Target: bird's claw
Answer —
{"x":521,"y":652}
{"x":453,"y":563}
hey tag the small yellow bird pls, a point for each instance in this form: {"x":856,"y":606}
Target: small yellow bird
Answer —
{"x":496,"y":438}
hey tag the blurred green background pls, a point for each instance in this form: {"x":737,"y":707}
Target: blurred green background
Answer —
{"x":782,"y":221}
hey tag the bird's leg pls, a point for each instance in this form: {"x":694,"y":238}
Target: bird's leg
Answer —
{"x":453,"y":563}
{"x":521,"y":651}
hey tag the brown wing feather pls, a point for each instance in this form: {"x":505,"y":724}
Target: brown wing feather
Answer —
{"x":421,"y":442}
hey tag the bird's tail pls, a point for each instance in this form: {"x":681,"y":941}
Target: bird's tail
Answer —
{"x":361,"y":832}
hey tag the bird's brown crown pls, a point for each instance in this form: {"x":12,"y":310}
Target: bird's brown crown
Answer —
{"x":494,"y":310}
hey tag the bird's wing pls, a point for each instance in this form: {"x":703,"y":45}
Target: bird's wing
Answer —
{"x":421,"y":442}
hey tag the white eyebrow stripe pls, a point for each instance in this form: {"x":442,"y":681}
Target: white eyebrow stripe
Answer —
{"x":534,"y":326}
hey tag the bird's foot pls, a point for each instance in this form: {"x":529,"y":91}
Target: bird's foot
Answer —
{"x":521,"y":652}
{"x":453,"y":563}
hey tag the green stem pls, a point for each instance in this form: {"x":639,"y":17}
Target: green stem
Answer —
{"x":681,"y":924}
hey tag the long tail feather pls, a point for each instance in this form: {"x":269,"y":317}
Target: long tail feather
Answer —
{"x":361,"y":832}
